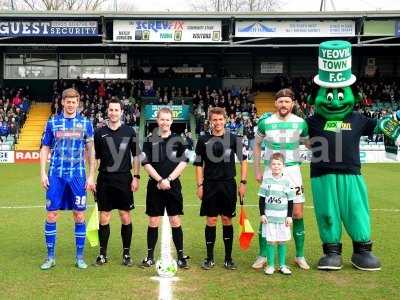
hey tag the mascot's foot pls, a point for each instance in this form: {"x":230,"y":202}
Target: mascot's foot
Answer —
{"x":362,"y":257}
{"x":332,"y":260}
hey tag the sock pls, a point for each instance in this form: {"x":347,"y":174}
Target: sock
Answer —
{"x":282,"y":254}
{"x":50,"y":232}
{"x":126,"y":235}
{"x":262,"y":242}
{"x":104,"y":235}
{"x":227,"y":233}
{"x":270,"y":249}
{"x":298,"y":236}
{"x":210,"y":233}
{"x":177,"y":237}
{"x":152,"y":236}
{"x":80,"y":235}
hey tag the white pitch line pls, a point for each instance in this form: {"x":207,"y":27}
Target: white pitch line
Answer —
{"x":165,"y":290}
{"x":191,"y":205}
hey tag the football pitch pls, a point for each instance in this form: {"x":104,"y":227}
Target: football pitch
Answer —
{"x":22,"y":249}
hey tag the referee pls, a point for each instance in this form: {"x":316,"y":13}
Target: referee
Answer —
{"x":164,"y":160}
{"x":216,"y":185}
{"x":114,"y":146}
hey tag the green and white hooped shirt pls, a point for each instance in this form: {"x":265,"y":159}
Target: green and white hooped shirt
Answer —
{"x":283,"y":136}
{"x":277,"y":193}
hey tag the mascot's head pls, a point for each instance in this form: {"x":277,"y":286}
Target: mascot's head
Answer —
{"x":334,"y":99}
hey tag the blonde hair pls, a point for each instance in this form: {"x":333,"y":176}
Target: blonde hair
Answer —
{"x":67,"y":93}
{"x":164,"y":109}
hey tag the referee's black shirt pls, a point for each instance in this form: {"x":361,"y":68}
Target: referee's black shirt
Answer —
{"x":217,"y":155}
{"x":164,"y":154}
{"x":115,"y":147}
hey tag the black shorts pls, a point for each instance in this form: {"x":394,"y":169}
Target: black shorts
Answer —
{"x":219,"y":198}
{"x":158,"y":200}
{"x":114,"y":191}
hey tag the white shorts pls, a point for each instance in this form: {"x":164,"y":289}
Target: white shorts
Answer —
{"x":276,"y":232}
{"x":294,"y":175}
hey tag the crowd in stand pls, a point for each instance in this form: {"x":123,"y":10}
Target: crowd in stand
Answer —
{"x":14,"y":105}
{"x":379,"y":97}
{"x":95,"y":95}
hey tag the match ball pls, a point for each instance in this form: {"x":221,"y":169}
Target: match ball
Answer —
{"x":166,"y":268}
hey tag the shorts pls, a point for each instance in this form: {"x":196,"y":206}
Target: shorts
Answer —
{"x":114,"y":191}
{"x":276,"y":232}
{"x":293,"y":173}
{"x":157,"y":201}
{"x":219,"y":198}
{"x":66,"y":194}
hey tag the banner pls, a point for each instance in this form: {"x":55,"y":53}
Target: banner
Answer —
{"x":48,"y":28}
{"x":6,"y":157}
{"x":294,"y":28}
{"x":379,"y":28}
{"x":166,"y":31}
{"x":22,"y":157}
{"x":179,"y":112}
{"x":271,"y":67}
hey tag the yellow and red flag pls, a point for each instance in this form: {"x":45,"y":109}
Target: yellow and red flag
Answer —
{"x":246,"y":230}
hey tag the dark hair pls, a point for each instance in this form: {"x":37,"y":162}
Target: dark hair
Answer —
{"x":284,"y":93}
{"x":115,"y":101}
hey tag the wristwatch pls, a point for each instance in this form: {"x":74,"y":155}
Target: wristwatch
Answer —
{"x":169,"y":178}
{"x":136,"y":176}
{"x":243,"y":181}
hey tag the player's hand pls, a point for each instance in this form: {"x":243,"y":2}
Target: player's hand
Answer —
{"x":289,"y":221}
{"x":165,"y":185}
{"x":199,"y":192}
{"x":263,"y":219}
{"x":134,"y":184}
{"x":242,"y":190}
{"x":90,"y":184}
{"x":44,"y":181}
{"x":259,"y":176}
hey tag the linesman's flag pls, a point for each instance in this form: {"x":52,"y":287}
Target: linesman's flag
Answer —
{"x":246,"y":230}
{"x":92,"y":229}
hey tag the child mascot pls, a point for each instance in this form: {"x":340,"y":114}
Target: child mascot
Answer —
{"x":339,"y":190}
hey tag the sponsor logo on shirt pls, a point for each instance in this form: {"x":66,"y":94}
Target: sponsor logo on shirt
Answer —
{"x":68,"y":134}
{"x":337,"y":126}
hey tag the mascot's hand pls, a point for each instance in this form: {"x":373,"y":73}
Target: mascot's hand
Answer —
{"x":390,"y":126}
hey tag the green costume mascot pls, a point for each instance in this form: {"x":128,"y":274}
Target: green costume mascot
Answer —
{"x":338,"y":188}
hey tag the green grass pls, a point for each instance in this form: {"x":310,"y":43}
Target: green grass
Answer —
{"x":23,"y":250}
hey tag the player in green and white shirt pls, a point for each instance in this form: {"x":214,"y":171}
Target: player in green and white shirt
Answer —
{"x":283,"y":132}
{"x":276,"y":209}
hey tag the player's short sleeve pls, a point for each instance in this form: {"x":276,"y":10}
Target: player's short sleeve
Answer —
{"x":261,"y":127}
{"x":200,"y":152}
{"x":89,"y":133}
{"x":147,"y":153}
{"x":182,"y":150}
{"x":48,"y":136}
{"x":135,"y":147}
{"x":97,"y":143}
{"x":239,"y":148}
{"x":290,"y":191}
{"x":304,"y":129}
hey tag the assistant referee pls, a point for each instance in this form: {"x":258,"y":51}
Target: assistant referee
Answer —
{"x":216,"y":184}
{"x":115,"y":144}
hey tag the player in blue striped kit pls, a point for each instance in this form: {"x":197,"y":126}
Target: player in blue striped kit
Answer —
{"x":68,"y":135}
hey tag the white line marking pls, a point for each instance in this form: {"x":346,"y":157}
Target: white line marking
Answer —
{"x":192,"y":205}
{"x":165,"y":290}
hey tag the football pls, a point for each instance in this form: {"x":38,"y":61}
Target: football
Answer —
{"x":166,"y":268}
